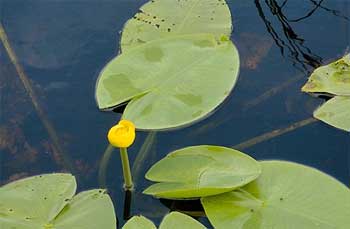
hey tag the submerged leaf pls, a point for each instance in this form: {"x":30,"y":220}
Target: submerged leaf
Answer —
{"x":286,"y":196}
{"x":335,"y":112}
{"x":46,"y":201}
{"x":333,"y":78}
{"x":201,"y":171}
{"x":156,"y":19}
{"x":170,"y":82}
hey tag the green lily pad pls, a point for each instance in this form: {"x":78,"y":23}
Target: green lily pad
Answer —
{"x":286,"y":196}
{"x":48,"y":201}
{"x":170,"y":82}
{"x":333,"y":78}
{"x":335,"y":112}
{"x":156,"y":19}
{"x":198,"y":171}
{"x":173,"y":220}
{"x":137,"y":222}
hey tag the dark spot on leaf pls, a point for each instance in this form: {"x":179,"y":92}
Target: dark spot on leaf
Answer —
{"x":251,"y":210}
{"x":169,"y":29}
{"x":157,"y":25}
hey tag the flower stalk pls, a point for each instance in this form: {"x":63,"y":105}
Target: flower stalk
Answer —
{"x":128,"y":184}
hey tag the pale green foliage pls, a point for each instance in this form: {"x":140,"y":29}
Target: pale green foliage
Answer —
{"x":286,"y":196}
{"x":173,"y":220}
{"x":333,"y":79}
{"x":336,"y":112}
{"x":166,"y":18}
{"x":137,"y":222}
{"x":198,"y":171}
{"x":171,"y":82}
{"x":48,"y":201}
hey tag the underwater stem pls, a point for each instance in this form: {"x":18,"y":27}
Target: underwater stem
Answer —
{"x":126,"y":169}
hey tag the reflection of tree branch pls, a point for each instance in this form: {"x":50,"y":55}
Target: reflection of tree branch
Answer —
{"x":301,"y":56}
{"x":317,"y":5}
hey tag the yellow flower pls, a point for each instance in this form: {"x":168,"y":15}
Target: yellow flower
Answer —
{"x":122,"y":135}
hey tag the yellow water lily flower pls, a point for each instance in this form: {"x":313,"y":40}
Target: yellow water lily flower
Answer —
{"x":122,"y":135}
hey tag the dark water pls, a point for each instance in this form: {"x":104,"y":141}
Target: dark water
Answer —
{"x":62,"y":46}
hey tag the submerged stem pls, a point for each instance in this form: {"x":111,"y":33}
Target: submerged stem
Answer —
{"x":103,"y":166}
{"x":126,"y":169}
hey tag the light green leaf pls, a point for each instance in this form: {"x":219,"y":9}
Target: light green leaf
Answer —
{"x":335,"y":112}
{"x":286,"y":196}
{"x":333,"y":78}
{"x":35,"y":201}
{"x":201,"y":171}
{"x":138,"y":222}
{"x":170,"y":82}
{"x":173,"y":220}
{"x":46,"y":202}
{"x":176,"y":220}
{"x":89,"y":210}
{"x":165,"y":18}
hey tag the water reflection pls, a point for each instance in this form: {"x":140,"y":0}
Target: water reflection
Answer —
{"x":284,"y":35}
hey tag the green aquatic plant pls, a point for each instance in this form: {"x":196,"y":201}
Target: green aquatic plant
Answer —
{"x":166,"y":70}
{"x":170,"y":221}
{"x":333,"y":80}
{"x":286,"y":195}
{"x":167,"y":18}
{"x":199,"y":171}
{"x":170,"y":81}
{"x":49,"y":201}
{"x":122,"y":136}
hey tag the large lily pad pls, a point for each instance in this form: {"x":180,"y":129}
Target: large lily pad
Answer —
{"x":201,"y":171}
{"x":333,"y":78}
{"x":47,"y":201}
{"x":285,"y":196}
{"x":335,"y":112}
{"x":170,"y":82}
{"x":173,"y":220}
{"x":156,"y":19}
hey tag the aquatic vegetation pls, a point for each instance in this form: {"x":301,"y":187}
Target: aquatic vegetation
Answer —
{"x":169,"y":81}
{"x":171,"y":220}
{"x":333,"y":80}
{"x":198,"y":171}
{"x":49,"y":201}
{"x":156,"y":19}
{"x":122,"y":136}
{"x":286,"y":195}
{"x":166,"y":68}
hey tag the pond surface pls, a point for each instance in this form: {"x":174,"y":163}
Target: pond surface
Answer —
{"x":62,"y":46}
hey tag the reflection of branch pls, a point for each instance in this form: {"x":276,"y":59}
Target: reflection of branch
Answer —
{"x":34,"y":99}
{"x":301,"y":56}
{"x":267,"y":136}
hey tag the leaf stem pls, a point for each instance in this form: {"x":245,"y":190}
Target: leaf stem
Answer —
{"x":128,"y":185}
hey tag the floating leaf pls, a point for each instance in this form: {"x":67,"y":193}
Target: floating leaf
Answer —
{"x":138,"y":222}
{"x":335,"y":112}
{"x":173,"y":220}
{"x":89,"y":210}
{"x":157,"y":19}
{"x":286,"y":196}
{"x":201,"y":171}
{"x":333,"y":78}
{"x":45,"y":201}
{"x":170,"y":82}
